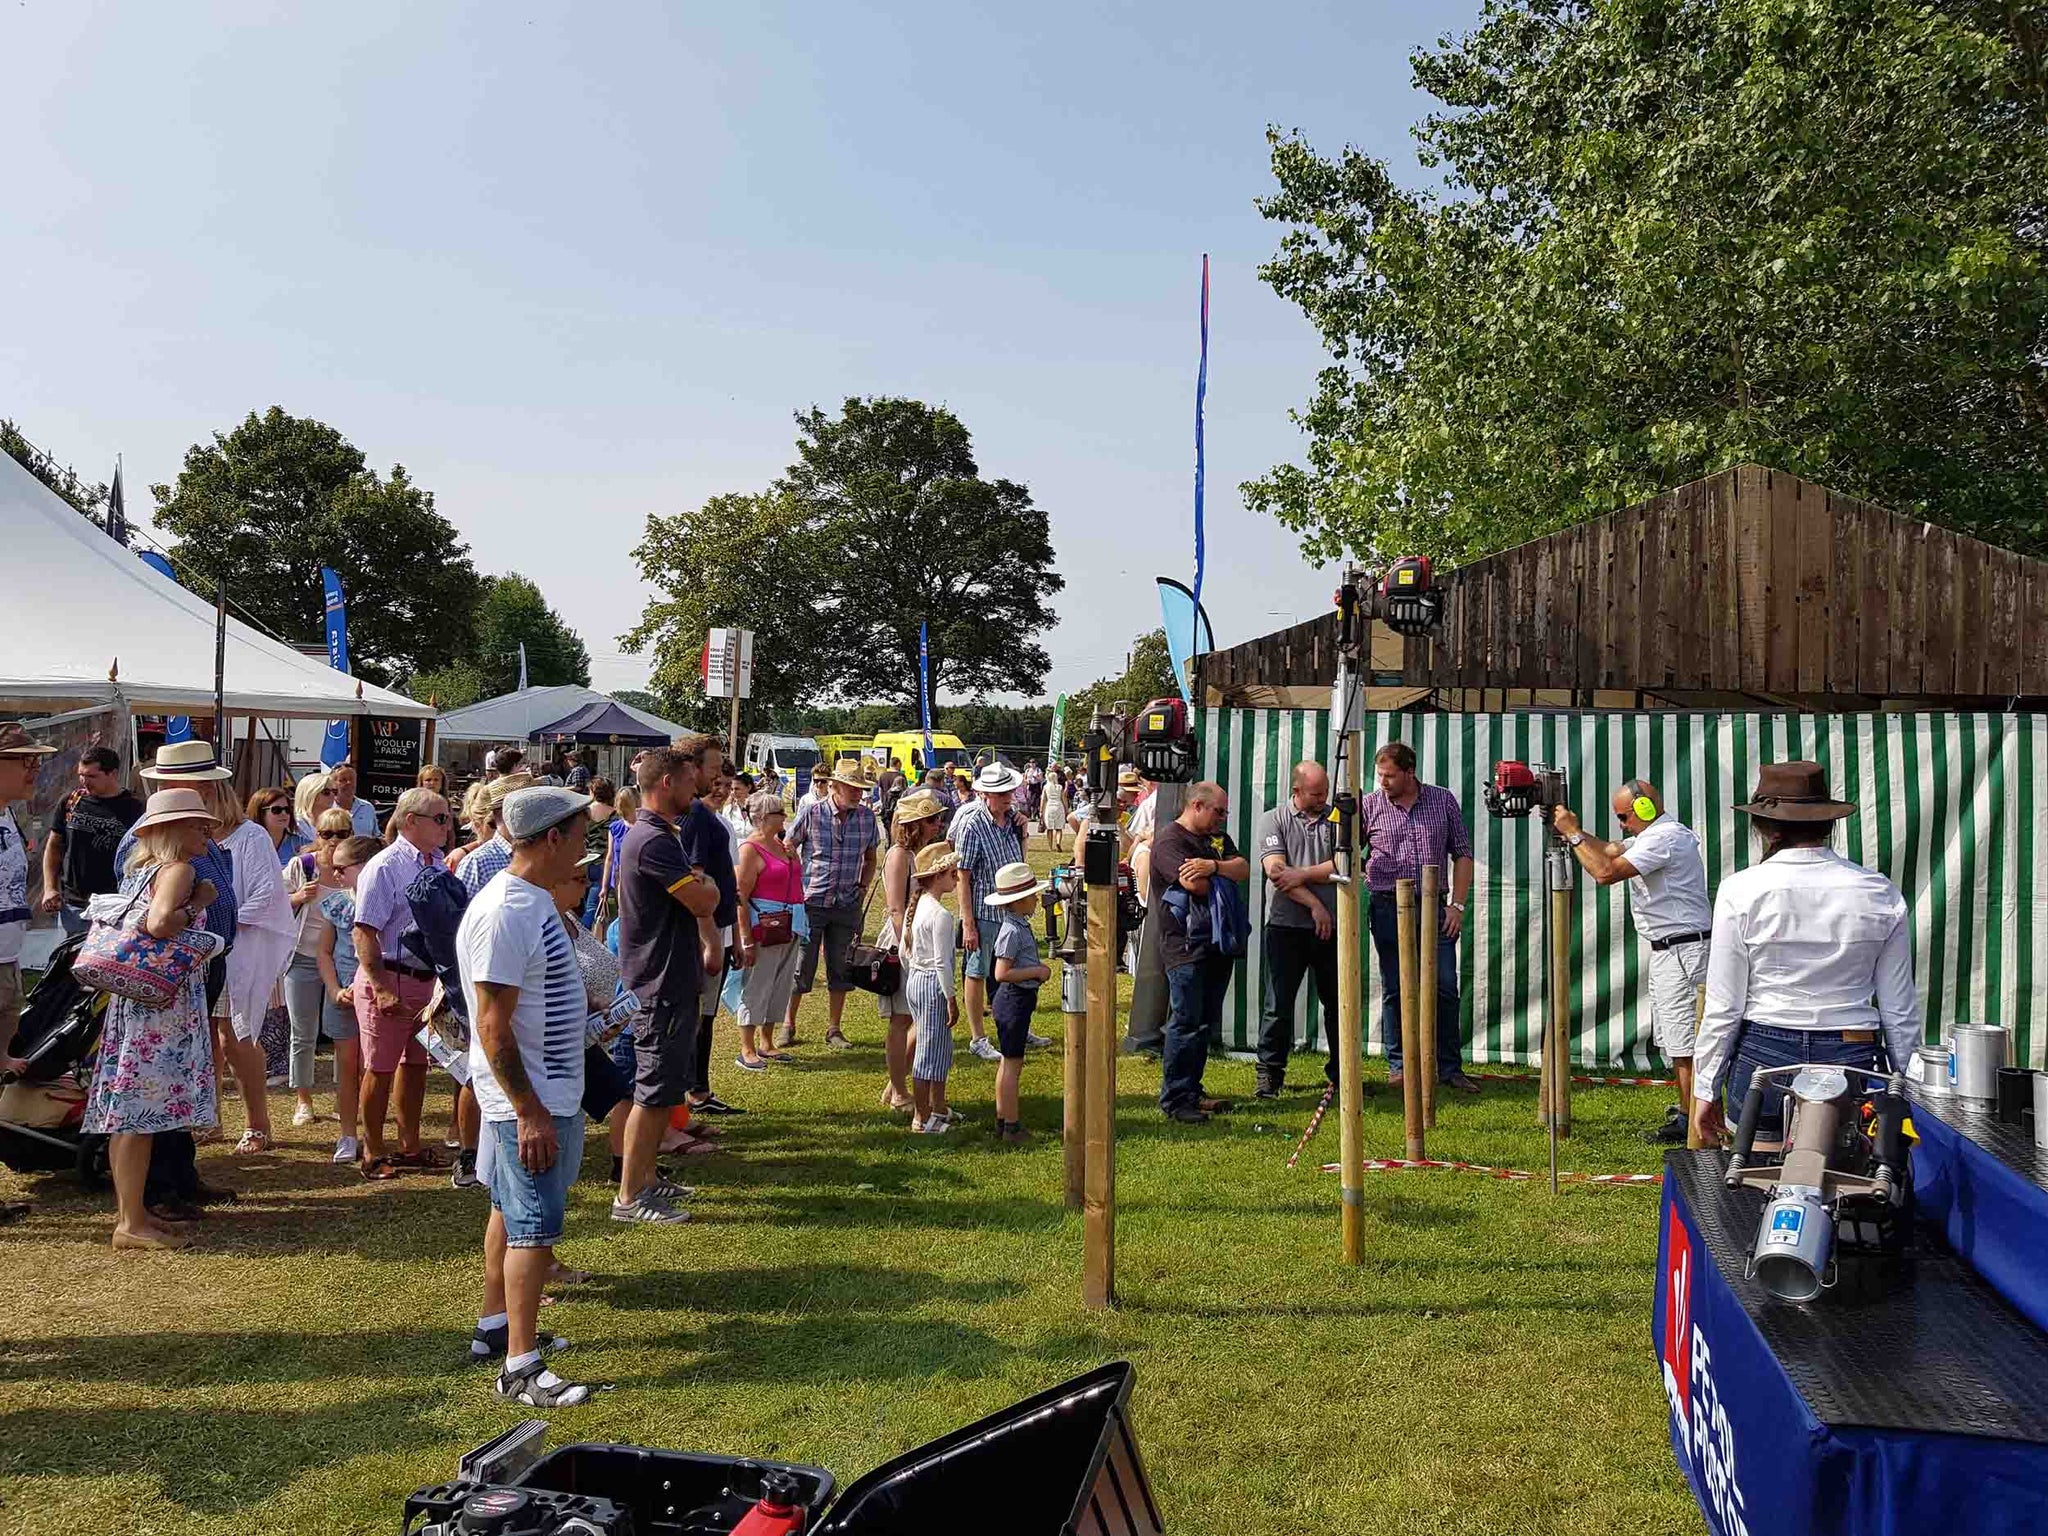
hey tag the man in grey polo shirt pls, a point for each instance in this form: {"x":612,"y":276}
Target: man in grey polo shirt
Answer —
{"x":1297,"y":852}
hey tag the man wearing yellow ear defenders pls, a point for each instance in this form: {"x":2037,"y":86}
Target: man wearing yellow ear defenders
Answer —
{"x":1662,"y":860}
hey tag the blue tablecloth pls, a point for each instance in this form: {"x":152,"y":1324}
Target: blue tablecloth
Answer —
{"x":1764,"y":1396}
{"x":1980,"y":1182}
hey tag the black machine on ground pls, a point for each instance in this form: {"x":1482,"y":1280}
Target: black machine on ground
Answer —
{"x":40,"y":1114}
{"x":1843,"y":1181}
{"x":1062,"y":1461}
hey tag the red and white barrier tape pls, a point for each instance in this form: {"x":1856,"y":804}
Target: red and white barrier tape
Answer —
{"x":1597,"y":1082}
{"x":1513,"y":1175}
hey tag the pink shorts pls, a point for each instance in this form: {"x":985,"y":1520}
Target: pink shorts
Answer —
{"x":388,"y":1033}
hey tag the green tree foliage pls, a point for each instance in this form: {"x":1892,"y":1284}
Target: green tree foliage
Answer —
{"x":884,"y":521}
{"x":1147,"y":675}
{"x":269,"y":503}
{"x":1673,"y":235}
{"x":511,"y":612}
{"x":90,"y":500}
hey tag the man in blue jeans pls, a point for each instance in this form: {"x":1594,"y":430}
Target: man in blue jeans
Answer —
{"x":1189,"y":853}
{"x":1410,"y":824}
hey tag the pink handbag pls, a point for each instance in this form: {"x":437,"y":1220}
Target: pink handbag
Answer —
{"x":122,"y":957}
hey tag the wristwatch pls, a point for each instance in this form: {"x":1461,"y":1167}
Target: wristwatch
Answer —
{"x":1576,"y":838}
{"x":1455,"y":906}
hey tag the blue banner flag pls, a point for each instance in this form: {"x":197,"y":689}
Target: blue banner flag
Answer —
{"x":334,"y":745}
{"x":1187,"y":631}
{"x":1201,"y":398}
{"x":178,"y":727}
{"x":924,"y":688}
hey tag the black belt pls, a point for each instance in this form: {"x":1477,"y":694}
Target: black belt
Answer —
{"x":417,"y":972}
{"x":14,"y":915}
{"x":1660,"y":945}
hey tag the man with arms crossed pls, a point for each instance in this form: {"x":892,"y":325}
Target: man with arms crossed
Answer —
{"x":525,"y":994}
{"x":1297,"y":851}
{"x":1660,"y":858}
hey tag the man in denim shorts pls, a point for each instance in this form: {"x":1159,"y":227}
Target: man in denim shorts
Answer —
{"x":525,"y":994}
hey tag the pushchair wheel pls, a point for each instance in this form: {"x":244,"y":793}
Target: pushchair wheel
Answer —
{"x":93,"y":1169}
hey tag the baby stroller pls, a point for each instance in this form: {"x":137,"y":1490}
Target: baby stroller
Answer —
{"x":42,"y":1110}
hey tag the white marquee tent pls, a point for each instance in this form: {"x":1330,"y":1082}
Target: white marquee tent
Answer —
{"x":512,"y":717}
{"x":85,"y":622}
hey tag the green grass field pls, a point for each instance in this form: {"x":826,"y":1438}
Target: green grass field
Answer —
{"x":847,"y":1291}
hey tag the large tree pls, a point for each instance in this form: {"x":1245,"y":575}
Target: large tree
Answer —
{"x":510,"y":614}
{"x":1147,"y":675}
{"x":883,"y":522}
{"x":1675,"y":234}
{"x":269,"y":503}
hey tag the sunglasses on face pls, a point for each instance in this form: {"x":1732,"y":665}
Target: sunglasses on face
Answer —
{"x":277,"y":810}
{"x":333,"y":837}
{"x":438,"y":818}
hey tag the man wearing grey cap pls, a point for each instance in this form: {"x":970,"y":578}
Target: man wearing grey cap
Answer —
{"x":525,"y":993}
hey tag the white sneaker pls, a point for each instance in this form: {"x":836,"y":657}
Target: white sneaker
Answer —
{"x":304,"y":1115}
{"x":985,"y":1048}
{"x":346,"y":1150}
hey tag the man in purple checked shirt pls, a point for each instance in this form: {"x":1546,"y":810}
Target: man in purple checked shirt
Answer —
{"x":1410,"y":824}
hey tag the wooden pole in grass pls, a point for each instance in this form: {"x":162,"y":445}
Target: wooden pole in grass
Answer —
{"x":1351,"y":1025}
{"x":1557,"y":1058}
{"x":1428,"y":924}
{"x":1073,"y":1123}
{"x":1411,"y":1018}
{"x":1098,"y":1264}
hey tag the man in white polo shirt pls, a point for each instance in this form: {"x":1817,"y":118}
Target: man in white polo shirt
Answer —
{"x":1661,"y":859}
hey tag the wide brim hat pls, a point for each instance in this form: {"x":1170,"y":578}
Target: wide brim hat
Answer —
{"x":935,"y":859}
{"x":847,"y":771}
{"x":1795,"y":791}
{"x":997,"y":779}
{"x":507,"y":784}
{"x":15,"y":741}
{"x":1128,"y":778}
{"x":186,"y":762}
{"x":918,"y":805}
{"x":1014,"y":882}
{"x":169,"y":805}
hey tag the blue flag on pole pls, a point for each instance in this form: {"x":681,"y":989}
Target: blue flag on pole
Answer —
{"x":1201,"y":397}
{"x":334,"y":745}
{"x":924,"y":688}
{"x":178,"y":727}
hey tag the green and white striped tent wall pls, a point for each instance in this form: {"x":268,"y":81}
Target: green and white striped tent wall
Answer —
{"x":1947,"y":811}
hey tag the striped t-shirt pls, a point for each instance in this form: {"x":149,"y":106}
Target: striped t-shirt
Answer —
{"x":511,"y":936}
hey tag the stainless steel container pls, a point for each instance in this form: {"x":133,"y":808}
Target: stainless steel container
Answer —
{"x":2041,"y":1110}
{"x":1932,"y":1064}
{"x":1793,"y":1243}
{"x":1975,"y":1055}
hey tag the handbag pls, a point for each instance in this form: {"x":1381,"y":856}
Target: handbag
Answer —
{"x":120,"y":956}
{"x":869,"y":966}
{"x":772,"y":929}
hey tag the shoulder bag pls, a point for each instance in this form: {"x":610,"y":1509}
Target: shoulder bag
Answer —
{"x":120,"y":956}
{"x":869,"y":966}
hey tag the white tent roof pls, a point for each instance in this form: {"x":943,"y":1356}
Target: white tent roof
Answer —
{"x":76,"y":604}
{"x":512,"y":717}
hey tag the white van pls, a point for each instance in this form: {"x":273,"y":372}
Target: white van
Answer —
{"x":789,"y":756}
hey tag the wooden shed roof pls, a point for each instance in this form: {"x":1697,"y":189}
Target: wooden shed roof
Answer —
{"x":1751,"y":581}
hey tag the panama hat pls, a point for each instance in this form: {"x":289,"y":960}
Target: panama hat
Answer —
{"x":997,"y":779}
{"x":16,"y":742}
{"x":507,"y":784}
{"x":1795,"y":791}
{"x":935,"y":859}
{"x":1014,"y":882}
{"x":168,"y":805}
{"x":186,"y":762}
{"x":1127,"y":778}
{"x":847,"y":771}
{"x":916,"y":806}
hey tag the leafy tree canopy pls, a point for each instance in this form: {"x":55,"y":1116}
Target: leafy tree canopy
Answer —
{"x":883,"y":521}
{"x":266,"y":505}
{"x":1147,"y":675}
{"x":1673,"y":235}
{"x":89,"y":499}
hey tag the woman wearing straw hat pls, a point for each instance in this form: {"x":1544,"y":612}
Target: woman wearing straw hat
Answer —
{"x":155,"y":1069}
{"x":1802,"y":942}
{"x":916,"y":826}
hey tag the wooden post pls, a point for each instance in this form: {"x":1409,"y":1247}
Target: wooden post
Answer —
{"x":1428,"y":924}
{"x":1411,"y":1019}
{"x":1098,"y":1269}
{"x":1073,"y":1122}
{"x":1351,"y":1032}
{"x":1557,"y":1057}
{"x":732,"y":736}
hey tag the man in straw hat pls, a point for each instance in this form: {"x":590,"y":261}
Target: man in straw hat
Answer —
{"x":21,"y":757}
{"x":1801,"y":942}
{"x":989,"y":838}
{"x":837,"y":840}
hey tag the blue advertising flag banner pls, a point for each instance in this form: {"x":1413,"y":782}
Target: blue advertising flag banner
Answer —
{"x":334,"y":745}
{"x":178,"y":727}
{"x":1201,"y":466}
{"x":924,"y":688}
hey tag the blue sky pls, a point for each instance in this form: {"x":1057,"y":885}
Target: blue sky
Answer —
{"x":571,"y":265}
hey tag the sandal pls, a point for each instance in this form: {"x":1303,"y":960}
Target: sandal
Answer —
{"x":378,"y":1169}
{"x":146,"y":1241}
{"x":252,"y":1140}
{"x":570,"y":1277}
{"x":431,"y":1158}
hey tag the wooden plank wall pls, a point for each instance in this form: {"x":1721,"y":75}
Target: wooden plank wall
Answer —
{"x":1752,"y":581}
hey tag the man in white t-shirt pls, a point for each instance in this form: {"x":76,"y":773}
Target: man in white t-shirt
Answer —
{"x":526,"y":1004}
{"x":1662,"y":861}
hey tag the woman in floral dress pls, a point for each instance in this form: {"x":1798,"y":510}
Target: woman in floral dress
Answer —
{"x":155,"y":1068}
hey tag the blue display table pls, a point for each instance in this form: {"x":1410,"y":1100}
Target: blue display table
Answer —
{"x":1981,"y":1183}
{"x":1910,"y":1399}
